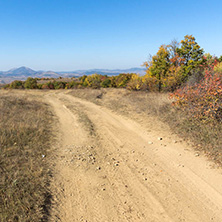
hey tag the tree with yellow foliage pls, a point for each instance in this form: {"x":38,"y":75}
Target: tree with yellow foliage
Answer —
{"x":191,"y":55}
{"x":159,"y":65}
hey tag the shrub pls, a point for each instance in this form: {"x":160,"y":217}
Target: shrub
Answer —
{"x":51,"y":85}
{"x":93,"y":81}
{"x":31,"y":83}
{"x":150,"y":83}
{"x":45,"y":86}
{"x":106,"y":83}
{"x":218,"y":67}
{"x":16,"y":85}
{"x":135,"y":83}
{"x":203,"y":100}
{"x":59,"y":85}
{"x":122,"y":80}
{"x":73,"y":84}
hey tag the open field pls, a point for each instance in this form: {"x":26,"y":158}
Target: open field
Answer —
{"x":116,"y":160}
{"x":25,"y":136}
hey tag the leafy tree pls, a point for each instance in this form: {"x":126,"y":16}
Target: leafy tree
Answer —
{"x":174,"y":77}
{"x":59,"y":85}
{"x":16,"y":85}
{"x":82,"y":80}
{"x":149,"y":83}
{"x":40,"y":85}
{"x":218,"y":67}
{"x":208,"y":56}
{"x":31,"y":83}
{"x":51,"y":85}
{"x":122,"y":79}
{"x":106,"y":83}
{"x":93,"y":81}
{"x":113,"y":81}
{"x":159,"y":65}
{"x":44,"y":86}
{"x":73,"y":84}
{"x":135,"y":83}
{"x":191,"y":55}
{"x":172,"y":48}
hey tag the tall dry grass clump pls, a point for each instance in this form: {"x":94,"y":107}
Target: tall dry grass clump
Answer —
{"x":24,"y":145}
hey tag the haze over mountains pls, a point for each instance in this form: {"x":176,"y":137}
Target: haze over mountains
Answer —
{"x":23,"y":72}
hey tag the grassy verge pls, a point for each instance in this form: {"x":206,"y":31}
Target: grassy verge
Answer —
{"x":204,"y":137}
{"x":24,"y":149}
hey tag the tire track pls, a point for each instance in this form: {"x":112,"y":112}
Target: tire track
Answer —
{"x":129,"y":180}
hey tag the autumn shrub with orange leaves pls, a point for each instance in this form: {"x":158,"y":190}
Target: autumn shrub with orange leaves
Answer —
{"x":203,"y":100}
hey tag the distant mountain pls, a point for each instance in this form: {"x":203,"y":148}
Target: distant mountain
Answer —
{"x":109,"y":72}
{"x":23,"y":72}
{"x":48,"y":74}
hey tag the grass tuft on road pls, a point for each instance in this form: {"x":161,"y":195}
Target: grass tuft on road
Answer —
{"x":25,"y":137}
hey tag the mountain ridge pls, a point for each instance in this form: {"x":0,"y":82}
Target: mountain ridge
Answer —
{"x":23,"y":73}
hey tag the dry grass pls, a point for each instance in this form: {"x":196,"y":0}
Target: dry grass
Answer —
{"x":205,"y":137}
{"x":24,"y":139}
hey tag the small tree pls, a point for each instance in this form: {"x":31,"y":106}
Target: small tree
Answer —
{"x":82,"y":80}
{"x":106,"y":83}
{"x":220,"y":59}
{"x":93,"y":81}
{"x":191,"y":55}
{"x":31,"y":83}
{"x":135,"y":82}
{"x":59,"y":85}
{"x":16,"y":85}
{"x":122,"y":79}
{"x":159,"y":65}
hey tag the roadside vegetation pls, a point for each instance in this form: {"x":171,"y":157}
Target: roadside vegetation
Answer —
{"x":25,"y":144}
{"x":140,"y":105}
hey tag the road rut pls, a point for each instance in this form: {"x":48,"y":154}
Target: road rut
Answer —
{"x":110,"y":168}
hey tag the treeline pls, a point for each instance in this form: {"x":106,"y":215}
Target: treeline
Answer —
{"x":94,"y":81}
{"x":173,"y":66}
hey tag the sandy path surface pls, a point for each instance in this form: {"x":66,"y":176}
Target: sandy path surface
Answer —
{"x":110,"y":168}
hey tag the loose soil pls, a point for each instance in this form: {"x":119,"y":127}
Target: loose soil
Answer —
{"x":110,"y":167}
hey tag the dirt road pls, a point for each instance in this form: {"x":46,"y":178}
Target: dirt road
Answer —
{"x":110,"y":168}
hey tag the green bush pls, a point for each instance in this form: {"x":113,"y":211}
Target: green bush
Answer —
{"x":31,"y":83}
{"x":106,"y":83}
{"x":16,"y":85}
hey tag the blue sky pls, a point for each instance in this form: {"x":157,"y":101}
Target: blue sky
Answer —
{"x":64,"y":35}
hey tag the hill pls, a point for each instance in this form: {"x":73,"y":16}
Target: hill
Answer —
{"x":23,"y":72}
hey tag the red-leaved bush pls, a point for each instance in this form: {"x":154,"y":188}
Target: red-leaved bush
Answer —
{"x":202,"y":100}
